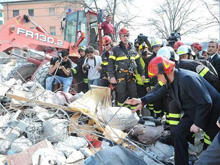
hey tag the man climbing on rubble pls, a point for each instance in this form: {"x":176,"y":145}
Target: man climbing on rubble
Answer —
{"x":60,"y":71}
{"x":121,"y":67}
{"x":199,"y":101}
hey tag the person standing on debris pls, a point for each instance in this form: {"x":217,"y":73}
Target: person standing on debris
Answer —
{"x":107,"y":43}
{"x":108,"y":27}
{"x":92,"y":64}
{"x":81,"y":77}
{"x":156,"y":107}
{"x":121,"y":67}
{"x":199,"y":101}
{"x":60,"y":71}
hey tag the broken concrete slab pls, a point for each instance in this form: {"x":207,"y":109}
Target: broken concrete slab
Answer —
{"x":76,"y":142}
{"x":20,"y":144}
{"x":55,"y":129}
{"x":86,"y":152}
{"x":48,"y":156}
{"x":65,"y":148}
{"x":75,"y":157}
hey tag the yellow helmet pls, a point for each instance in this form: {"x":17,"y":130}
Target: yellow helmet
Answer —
{"x":156,"y":42}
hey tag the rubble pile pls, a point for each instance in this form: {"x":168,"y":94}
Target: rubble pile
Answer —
{"x":42,"y":127}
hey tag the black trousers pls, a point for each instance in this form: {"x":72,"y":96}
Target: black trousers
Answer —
{"x":104,"y":83}
{"x":182,"y":135}
{"x":125,"y":89}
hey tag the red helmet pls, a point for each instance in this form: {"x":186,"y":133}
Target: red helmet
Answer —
{"x":197,"y":45}
{"x":123,"y":31}
{"x":177,"y":45}
{"x":160,"y":65}
{"x":106,"y":40}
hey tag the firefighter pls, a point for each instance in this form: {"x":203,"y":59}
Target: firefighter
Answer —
{"x":107,"y":43}
{"x":81,"y":77}
{"x":156,"y":107}
{"x":177,"y":45}
{"x":185,"y":53}
{"x":122,"y":64}
{"x":141,"y":85}
{"x":197,"y":47}
{"x":195,"y":96}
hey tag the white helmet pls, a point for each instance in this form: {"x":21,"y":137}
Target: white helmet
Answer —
{"x":168,"y":52}
{"x":185,"y":49}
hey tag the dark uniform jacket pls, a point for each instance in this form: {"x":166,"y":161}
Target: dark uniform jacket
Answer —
{"x":104,"y":64}
{"x":196,"y":97}
{"x":202,"y":70}
{"x":120,"y":61}
{"x":216,"y":63}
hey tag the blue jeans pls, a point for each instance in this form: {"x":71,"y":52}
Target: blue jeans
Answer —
{"x":93,"y":82}
{"x":66,"y":81}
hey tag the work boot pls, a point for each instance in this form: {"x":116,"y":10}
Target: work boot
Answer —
{"x":141,"y":120}
{"x":167,"y":140}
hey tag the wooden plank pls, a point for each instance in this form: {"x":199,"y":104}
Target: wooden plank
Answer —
{"x":21,"y":98}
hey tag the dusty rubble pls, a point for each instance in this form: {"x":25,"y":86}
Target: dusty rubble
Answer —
{"x":43,"y":127}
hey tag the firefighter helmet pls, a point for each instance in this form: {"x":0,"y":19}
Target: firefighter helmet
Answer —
{"x":197,"y":45}
{"x":160,"y":65}
{"x":168,"y":52}
{"x":156,"y":43}
{"x":143,"y":45}
{"x":123,"y":31}
{"x":185,"y":49}
{"x":106,"y":40}
{"x":81,"y":48}
{"x":177,"y":45}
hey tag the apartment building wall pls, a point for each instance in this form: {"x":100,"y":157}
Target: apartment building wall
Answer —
{"x":47,"y":14}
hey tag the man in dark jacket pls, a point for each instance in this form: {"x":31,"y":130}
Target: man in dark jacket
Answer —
{"x":214,"y":57}
{"x":199,"y":101}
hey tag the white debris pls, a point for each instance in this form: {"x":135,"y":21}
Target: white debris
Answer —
{"x":76,"y":142}
{"x":122,"y":119}
{"x":48,"y":156}
{"x":20,"y":144}
{"x":65,"y":149}
{"x":55,"y":129}
{"x":74,"y":157}
{"x":86,"y":152}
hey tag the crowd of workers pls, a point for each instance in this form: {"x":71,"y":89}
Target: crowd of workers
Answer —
{"x":182,"y":83}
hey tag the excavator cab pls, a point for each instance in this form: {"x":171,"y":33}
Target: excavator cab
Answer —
{"x":85,"y":22}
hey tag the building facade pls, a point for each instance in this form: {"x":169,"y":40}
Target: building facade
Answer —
{"x":46,"y":13}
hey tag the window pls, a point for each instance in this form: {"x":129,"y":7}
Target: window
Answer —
{"x":15,"y":13}
{"x":0,"y":14}
{"x":52,"y":31}
{"x":52,"y":11}
{"x":1,"y":22}
{"x":31,"y":12}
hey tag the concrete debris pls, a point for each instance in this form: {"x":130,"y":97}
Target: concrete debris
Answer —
{"x":65,"y":148}
{"x":162,"y":151}
{"x":86,"y":152}
{"x":20,"y":144}
{"x":55,"y":129}
{"x":75,"y":157}
{"x":48,"y":156}
{"x":76,"y":142}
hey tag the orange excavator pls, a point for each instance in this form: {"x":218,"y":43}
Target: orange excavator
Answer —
{"x":37,"y":47}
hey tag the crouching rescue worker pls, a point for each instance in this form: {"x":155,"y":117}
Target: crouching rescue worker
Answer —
{"x":122,"y":64}
{"x":198,"y":99}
